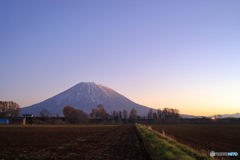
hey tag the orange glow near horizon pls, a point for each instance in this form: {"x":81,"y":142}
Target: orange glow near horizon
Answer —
{"x":192,"y":105}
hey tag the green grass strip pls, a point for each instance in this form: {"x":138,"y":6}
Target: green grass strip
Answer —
{"x":162,"y":147}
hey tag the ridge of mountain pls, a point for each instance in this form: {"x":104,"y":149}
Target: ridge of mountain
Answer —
{"x":86,"y":96}
{"x":236,"y":115}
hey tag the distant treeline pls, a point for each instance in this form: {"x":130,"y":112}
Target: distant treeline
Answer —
{"x":100,"y":116}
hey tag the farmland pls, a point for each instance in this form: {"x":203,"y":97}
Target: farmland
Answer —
{"x":205,"y":138}
{"x":70,"y":142}
{"x":107,"y":141}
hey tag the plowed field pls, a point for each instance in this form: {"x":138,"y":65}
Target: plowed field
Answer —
{"x":70,"y":142}
{"x":205,"y":138}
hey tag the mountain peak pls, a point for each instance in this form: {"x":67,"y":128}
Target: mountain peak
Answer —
{"x":86,"y":96}
{"x":92,"y":86}
{"x":90,"y":83}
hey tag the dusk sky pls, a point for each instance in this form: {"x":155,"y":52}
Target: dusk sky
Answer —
{"x":158,"y":53}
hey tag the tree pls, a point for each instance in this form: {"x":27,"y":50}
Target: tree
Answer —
{"x":170,"y":114}
{"x":9,"y":109}
{"x":102,"y":111}
{"x":159,"y":113}
{"x":75,"y":116}
{"x":133,"y":114}
{"x":44,"y":113}
{"x":114,"y":114}
{"x":150,"y":113}
{"x":66,"y":110}
{"x":125,"y":114}
{"x":120,"y":114}
{"x":154,"y":115}
{"x":94,"y":113}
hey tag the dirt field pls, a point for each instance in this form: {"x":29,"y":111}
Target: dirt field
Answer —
{"x":218,"y":138}
{"x":70,"y":142}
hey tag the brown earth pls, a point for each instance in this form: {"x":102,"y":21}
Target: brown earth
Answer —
{"x":205,"y":138}
{"x":70,"y":142}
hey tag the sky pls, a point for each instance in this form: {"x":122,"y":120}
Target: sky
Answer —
{"x":175,"y":54}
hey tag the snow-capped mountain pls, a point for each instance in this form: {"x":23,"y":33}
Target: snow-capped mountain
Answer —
{"x":85,"y":96}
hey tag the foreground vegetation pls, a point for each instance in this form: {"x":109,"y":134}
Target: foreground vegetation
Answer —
{"x":161,"y":146}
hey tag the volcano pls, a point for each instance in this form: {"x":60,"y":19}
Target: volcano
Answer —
{"x":86,"y":96}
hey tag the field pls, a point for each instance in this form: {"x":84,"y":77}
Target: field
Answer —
{"x":107,"y":141}
{"x":70,"y":142}
{"x":205,"y":138}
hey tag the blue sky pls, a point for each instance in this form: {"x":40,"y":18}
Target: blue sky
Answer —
{"x":179,"y":54}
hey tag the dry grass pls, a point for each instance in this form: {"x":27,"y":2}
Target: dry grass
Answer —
{"x":161,"y":146}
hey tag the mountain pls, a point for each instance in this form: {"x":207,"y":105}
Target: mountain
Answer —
{"x":236,"y":115}
{"x":85,"y":96}
{"x":188,"y":116}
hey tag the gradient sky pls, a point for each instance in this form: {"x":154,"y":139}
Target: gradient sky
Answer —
{"x":159,"y":53}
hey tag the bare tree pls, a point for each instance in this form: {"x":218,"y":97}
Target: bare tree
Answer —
{"x":154,"y":115}
{"x":120,"y":114}
{"x":94,"y":113}
{"x":159,"y":113}
{"x":150,"y":113}
{"x":133,"y":114}
{"x":75,"y":116}
{"x":78,"y":116}
{"x":102,"y":111}
{"x":170,"y":114}
{"x":9,"y":109}
{"x":125,"y":114}
{"x":44,"y":113}
{"x":114,"y":114}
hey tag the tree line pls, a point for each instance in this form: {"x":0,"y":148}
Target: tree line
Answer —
{"x":10,"y":109}
{"x":77,"y":116}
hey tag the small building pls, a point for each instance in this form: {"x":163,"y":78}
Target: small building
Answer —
{"x":29,"y":118}
{"x":19,"y":120}
{"x":4,"y":121}
{"x":27,"y":115}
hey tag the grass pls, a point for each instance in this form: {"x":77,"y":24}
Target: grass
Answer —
{"x":161,"y":146}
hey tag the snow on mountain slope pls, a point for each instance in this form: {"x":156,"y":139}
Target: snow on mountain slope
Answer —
{"x":86,"y":96}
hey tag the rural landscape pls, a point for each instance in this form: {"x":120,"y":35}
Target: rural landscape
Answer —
{"x":163,"y":134}
{"x":119,"y":80}
{"x":116,"y":141}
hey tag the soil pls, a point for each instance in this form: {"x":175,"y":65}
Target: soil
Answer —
{"x":71,"y":142}
{"x":205,"y":138}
